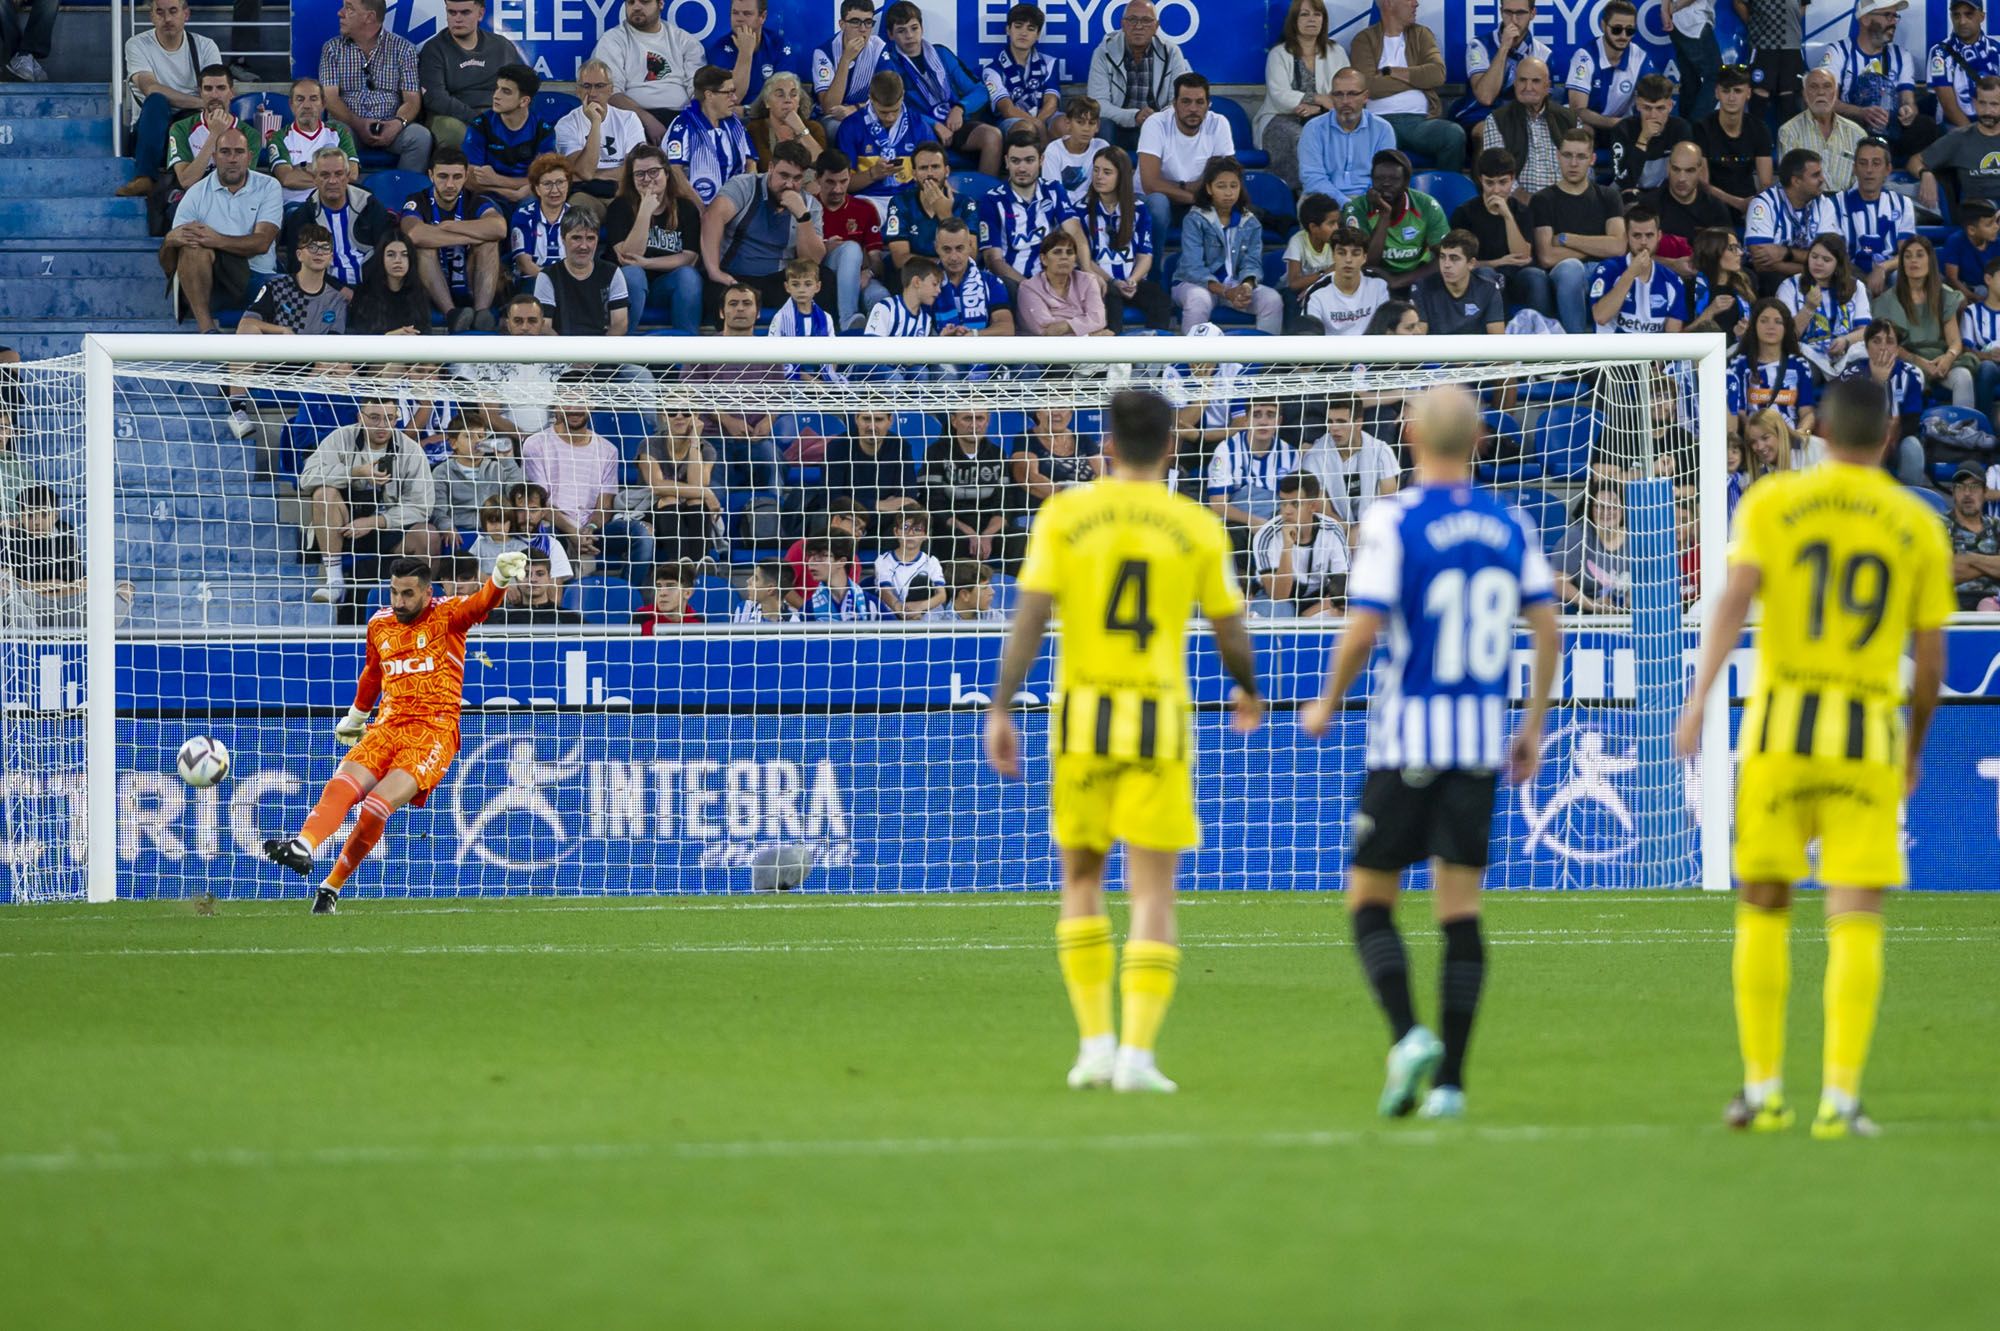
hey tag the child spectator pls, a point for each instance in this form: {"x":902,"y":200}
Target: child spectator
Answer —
{"x":1977,"y":244}
{"x":1770,"y":372}
{"x":881,"y":138}
{"x":1346,"y":298}
{"x":677,"y":467}
{"x":763,"y":593}
{"x":673,"y":589}
{"x":837,"y":596}
{"x":1300,"y":555}
{"x":466,"y":482}
{"x":1309,"y":253}
{"x":908,"y":577}
{"x":971,"y":600}
{"x":1979,"y":330}
{"x":1829,"y":308}
{"x":1222,"y":254}
{"x":908,"y":315}
{"x":1066,"y":161}
{"x":800,"y":317}
{"x":500,"y":533}
{"x":1023,"y":86}
{"x":939,"y":87}
{"x":1117,"y":242}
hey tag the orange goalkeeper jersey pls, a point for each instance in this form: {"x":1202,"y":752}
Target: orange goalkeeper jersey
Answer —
{"x":418,"y":669}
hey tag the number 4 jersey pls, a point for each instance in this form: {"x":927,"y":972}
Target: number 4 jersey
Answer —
{"x":1128,"y":563}
{"x":1449,"y":568}
{"x":1850,"y":566}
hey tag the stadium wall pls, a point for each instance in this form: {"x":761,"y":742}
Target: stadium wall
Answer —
{"x":559,"y":34}
{"x":624,"y":764}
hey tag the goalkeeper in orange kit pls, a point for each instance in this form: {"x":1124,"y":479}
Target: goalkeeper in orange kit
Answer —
{"x":416,"y":668}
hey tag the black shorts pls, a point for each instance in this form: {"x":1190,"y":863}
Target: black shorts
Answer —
{"x":1407,"y":817}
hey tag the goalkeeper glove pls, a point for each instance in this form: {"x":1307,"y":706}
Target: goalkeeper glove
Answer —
{"x":350,"y":730}
{"x":510,"y":568}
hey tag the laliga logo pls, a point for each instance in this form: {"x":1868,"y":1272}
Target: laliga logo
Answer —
{"x":1586,"y":778}
{"x":525,"y":791}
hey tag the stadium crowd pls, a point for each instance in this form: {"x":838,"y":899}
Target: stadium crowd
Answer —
{"x":1832,"y":221}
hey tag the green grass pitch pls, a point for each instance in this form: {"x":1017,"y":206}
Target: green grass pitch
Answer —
{"x":849,"y":1113}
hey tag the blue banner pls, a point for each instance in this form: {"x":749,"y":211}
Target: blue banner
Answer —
{"x":672,"y":764}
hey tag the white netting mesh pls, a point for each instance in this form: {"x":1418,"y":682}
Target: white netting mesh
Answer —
{"x":747,"y":749}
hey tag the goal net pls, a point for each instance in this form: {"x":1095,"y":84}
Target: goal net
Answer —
{"x":767,"y":594}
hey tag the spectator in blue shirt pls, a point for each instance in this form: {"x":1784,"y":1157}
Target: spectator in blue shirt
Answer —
{"x":1335,"y":151}
{"x":1965,"y":255}
{"x":1632,"y":292}
{"x":881,"y":138}
{"x":502,"y":142}
{"x":1016,"y":215}
{"x":1024,"y":86}
{"x":706,"y":143}
{"x":971,"y":300}
{"x":1960,"y":61}
{"x":917,"y":211}
{"x":457,"y":235}
{"x":1604,"y":74}
{"x":938,"y":86}
{"x":752,"y":49}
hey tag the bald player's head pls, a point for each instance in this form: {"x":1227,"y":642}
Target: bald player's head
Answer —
{"x":1444,"y":425}
{"x":1854,"y":419}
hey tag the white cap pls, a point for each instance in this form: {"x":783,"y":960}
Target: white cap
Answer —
{"x":1867,"y":7}
{"x":1204,"y":330}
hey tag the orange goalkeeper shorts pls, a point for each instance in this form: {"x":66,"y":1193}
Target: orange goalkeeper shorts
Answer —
{"x":422,"y":750}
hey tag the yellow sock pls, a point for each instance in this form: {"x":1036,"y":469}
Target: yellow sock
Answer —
{"x":1146,"y":985}
{"x":1761,"y":969}
{"x":1084,"y":952}
{"x":1853,"y":994}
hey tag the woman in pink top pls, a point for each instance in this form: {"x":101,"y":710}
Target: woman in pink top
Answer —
{"x":1060,"y":301}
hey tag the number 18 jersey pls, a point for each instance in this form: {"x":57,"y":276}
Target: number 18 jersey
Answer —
{"x":1128,"y":564}
{"x":1449,"y":568}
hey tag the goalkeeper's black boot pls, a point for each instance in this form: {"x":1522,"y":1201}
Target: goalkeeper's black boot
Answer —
{"x":290,"y":853}
{"x":326,"y":901}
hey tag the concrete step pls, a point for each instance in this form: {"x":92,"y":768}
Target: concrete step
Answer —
{"x":92,"y":218}
{"x":53,"y":177}
{"x":112,"y":300}
{"x":134,"y":261}
{"x":40,"y":339}
{"x":66,"y":101}
{"x":80,"y":136}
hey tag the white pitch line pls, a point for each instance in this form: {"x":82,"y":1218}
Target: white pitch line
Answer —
{"x":64,"y":1162}
{"x":1251,"y":942}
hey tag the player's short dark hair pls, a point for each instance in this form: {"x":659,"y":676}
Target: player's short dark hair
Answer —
{"x":1316,"y":208}
{"x":1794,"y":163}
{"x":526,"y":80}
{"x":1854,"y":415}
{"x":710,"y":78}
{"x":1494,"y":163}
{"x":409,"y":566}
{"x":832,"y":160}
{"x":1142,"y":426}
{"x":1653,"y":88}
{"x":674,"y":571}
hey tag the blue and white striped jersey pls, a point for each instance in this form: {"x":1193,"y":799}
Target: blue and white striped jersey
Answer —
{"x":814,"y":322}
{"x":1450,"y":569}
{"x":1874,"y":227}
{"x":895,"y":318}
{"x":1979,"y":327}
{"x":536,"y":234}
{"x":1015,"y":226}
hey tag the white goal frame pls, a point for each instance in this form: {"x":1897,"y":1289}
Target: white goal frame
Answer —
{"x":104,"y":353}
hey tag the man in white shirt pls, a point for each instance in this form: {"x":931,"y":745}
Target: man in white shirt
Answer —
{"x":652,"y":65}
{"x":288,"y":152}
{"x":1834,"y":137}
{"x":1300,"y":555}
{"x":1175,"y":149}
{"x":597,"y":135}
{"x":163,"y":72}
{"x":225,"y":232}
{"x":1346,"y":298}
{"x":1354,"y":468}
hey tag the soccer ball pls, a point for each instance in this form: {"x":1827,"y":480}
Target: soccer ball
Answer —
{"x":202,"y":761}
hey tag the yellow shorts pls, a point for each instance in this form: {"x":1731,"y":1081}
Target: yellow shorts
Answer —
{"x":1096,"y":801}
{"x":1854,"y":808}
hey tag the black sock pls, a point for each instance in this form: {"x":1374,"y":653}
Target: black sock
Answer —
{"x":1458,"y":987}
{"x":1386,"y":965}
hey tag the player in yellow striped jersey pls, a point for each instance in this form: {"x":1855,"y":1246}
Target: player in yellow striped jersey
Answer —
{"x":1125,"y":563}
{"x":1848,"y":570}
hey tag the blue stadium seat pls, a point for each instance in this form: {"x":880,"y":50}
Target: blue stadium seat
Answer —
{"x":1931,"y":497}
{"x":713,"y":599}
{"x":1551,"y":390}
{"x":1009,"y":425}
{"x":1547,"y":512}
{"x":392,"y":187}
{"x":249,"y":104}
{"x":1563,"y":437}
{"x":553,"y":106}
{"x":1274,"y":270}
{"x":1449,"y":188}
{"x":602,"y":600}
{"x":973,"y":184}
{"x":1239,"y":128}
{"x":1272,"y":197}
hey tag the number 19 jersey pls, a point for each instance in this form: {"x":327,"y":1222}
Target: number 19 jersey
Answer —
{"x":1449,"y":567}
{"x":1128,"y":564}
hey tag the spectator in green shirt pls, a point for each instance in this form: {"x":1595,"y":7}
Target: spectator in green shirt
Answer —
{"x":1403,"y":225}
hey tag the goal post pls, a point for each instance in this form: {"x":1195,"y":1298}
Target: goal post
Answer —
{"x":758,"y":741}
